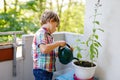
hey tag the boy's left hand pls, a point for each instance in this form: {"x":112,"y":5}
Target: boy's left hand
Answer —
{"x":72,"y":49}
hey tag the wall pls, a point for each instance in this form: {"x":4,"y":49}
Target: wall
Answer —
{"x":24,"y":64}
{"x":27,"y":63}
{"x":6,"y":70}
{"x":27,"y":58}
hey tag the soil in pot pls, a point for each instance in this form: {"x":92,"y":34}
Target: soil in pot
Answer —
{"x":84,"y":63}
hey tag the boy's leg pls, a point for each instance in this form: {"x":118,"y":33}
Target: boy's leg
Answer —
{"x":36,"y":74}
{"x":47,"y":75}
{"x":42,"y":74}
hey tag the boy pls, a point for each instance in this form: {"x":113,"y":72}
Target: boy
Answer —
{"x":43,"y":47}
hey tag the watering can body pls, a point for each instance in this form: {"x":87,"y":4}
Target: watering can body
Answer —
{"x":65,"y":54}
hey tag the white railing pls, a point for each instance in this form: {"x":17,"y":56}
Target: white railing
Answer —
{"x":24,"y":65}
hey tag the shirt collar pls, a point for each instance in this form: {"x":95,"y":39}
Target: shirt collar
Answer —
{"x":46,"y":30}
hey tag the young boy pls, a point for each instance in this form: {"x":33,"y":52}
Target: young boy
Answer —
{"x":43,"y":47}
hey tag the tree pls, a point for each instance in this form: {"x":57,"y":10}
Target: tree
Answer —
{"x":24,"y":16}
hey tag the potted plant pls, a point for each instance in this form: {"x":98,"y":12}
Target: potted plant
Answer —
{"x":86,"y":69}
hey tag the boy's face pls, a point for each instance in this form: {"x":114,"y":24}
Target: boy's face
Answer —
{"x":53,"y":26}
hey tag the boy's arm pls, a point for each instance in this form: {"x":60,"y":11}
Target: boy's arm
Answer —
{"x":47,"y":48}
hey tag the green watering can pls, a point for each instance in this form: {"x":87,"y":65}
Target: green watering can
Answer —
{"x":65,"y":54}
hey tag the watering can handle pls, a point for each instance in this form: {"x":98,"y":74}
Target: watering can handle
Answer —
{"x":68,"y":45}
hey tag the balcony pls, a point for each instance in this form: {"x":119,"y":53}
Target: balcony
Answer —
{"x":24,"y":63}
{"x":108,"y":63}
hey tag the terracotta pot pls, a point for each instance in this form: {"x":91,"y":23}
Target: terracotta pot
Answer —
{"x":6,"y":52}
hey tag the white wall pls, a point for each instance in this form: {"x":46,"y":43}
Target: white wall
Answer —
{"x":24,"y":65}
{"x":6,"y":70}
{"x":27,"y":57}
{"x":109,"y":57}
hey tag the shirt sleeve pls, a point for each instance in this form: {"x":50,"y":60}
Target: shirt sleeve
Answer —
{"x":41,"y":38}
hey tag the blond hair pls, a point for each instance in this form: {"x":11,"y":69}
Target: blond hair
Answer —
{"x":48,"y":15}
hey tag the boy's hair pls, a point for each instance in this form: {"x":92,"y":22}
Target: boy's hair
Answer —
{"x":48,"y":15}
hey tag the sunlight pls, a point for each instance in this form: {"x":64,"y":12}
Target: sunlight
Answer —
{"x":54,"y":2}
{"x":65,"y":3}
{"x":9,"y":3}
{"x":1,"y":4}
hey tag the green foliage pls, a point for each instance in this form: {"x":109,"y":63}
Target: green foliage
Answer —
{"x":13,"y":21}
{"x":92,"y":42}
{"x":79,"y":55}
{"x":24,"y":16}
{"x":19,"y":18}
{"x":5,"y":38}
{"x":72,"y":19}
{"x":79,"y":49}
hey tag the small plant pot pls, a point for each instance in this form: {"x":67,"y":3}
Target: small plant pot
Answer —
{"x":6,"y":52}
{"x":82,"y":71}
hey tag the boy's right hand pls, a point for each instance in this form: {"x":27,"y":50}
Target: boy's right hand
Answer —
{"x":62,"y":43}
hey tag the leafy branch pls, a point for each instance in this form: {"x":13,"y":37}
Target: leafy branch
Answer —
{"x":92,"y":43}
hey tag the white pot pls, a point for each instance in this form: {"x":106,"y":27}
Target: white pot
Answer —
{"x":84,"y":72}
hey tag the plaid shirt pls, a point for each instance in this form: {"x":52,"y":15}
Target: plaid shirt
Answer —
{"x":42,"y":60}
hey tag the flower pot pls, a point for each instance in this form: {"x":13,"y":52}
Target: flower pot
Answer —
{"x":6,"y":52}
{"x":84,"y":73}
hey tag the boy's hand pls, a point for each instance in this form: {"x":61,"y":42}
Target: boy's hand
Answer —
{"x":72,"y":49}
{"x":62,"y":43}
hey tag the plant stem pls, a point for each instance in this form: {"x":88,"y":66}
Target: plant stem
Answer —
{"x":94,"y":27}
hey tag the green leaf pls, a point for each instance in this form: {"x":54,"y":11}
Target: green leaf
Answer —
{"x":94,"y":30}
{"x":96,"y":36}
{"x":93,"y":51}
{"x":91,"y":56}
{"x":79,"y":55}
{"x":96,"y":51}
{"x":96,"y":22}
{"x":87,"y":43}
{"x":98,"y":43}
{"x":91,"y":48}
{"x":101,"y":29}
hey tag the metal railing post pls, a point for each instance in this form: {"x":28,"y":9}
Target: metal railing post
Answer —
{"x":14,"y":54}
